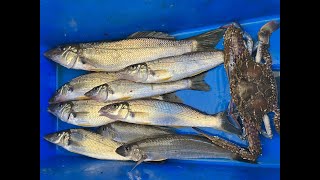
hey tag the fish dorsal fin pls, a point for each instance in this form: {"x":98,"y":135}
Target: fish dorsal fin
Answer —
{"x":144,"y":157}
{"x":150,"y":34}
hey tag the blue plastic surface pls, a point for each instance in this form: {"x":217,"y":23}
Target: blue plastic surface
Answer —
{"x":79,"y":21}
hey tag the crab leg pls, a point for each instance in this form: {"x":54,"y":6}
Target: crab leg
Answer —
{"x":244,"y":153}
{"x":264,"y":37}
{"x":276,"y":118}
{"x":266,"y":122}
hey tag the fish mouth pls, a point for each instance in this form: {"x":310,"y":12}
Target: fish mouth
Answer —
{"x":50,"y":137}
{"x":50,"y":109}
{"x":53,"y":53}
{"x":52,"y":100}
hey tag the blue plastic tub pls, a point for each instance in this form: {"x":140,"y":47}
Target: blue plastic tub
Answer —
{"x":79,"y":21}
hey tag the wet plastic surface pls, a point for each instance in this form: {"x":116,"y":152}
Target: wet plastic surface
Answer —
{"x":67,"y":21}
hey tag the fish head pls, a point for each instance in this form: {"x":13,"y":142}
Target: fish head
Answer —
{"x":59,"y":138}
{"x":65,"y":55}
{"x":62,"y":94}
{"x":106,"y":131}
{"x":132,"y":151}
{"x":62,"y":110}
{"x":136,"y":72}
{"x":100,"y":93}
{"x":116,"y":111}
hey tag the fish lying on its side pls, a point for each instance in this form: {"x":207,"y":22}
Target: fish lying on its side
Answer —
{"x":127,"y":90}
{"x":137,"y":48}
{"x":86,"y":112}
{"x":173,"y":147}
{"x":86,"y":143}
{"x":80,"y":113}
{"x":162,"y":113}
{"x":126,"y":132}
{"x":173,"y":68}
{"x":77,"y":87}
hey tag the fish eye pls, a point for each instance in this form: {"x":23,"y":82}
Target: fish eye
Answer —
{"x":133,"y":67}
{"x":115,"y":106}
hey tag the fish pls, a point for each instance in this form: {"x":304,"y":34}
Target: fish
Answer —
{"x":85,"y":113}
{"x":173,"y":68}
{"x":127,"y":90}
{"x":137,"y":48}
{"x":86,"y":143}
{"x":80,"y":113}
{"x":127,"y":132}
{"x":173,"y":146}
{"x":163,"y":113}
{"x":77,"y":87}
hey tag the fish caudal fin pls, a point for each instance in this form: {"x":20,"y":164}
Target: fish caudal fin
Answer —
{"x":198,"y":83}
{"x":172,"y":97}
{"x":227,"y":126}
{"x":208,"y":40}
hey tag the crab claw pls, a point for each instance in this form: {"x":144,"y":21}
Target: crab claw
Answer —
{"x":266,"y":30}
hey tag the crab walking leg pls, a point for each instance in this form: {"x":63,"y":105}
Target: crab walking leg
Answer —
{"x":249,"y":44}
{"x":264,"y":37}
{"x":276,"y":118}
{"x":244,"y":153}
{"x":266,"y":122}
{"x":254,"y":149}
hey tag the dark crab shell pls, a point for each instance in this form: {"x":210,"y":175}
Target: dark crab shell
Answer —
{"x":252,"y":84}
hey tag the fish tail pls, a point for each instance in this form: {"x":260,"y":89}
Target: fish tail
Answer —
{"x":208,"y":40}
{"x":172,"y":97}
{"x":198,"y":83}
{"x":227,"y":126}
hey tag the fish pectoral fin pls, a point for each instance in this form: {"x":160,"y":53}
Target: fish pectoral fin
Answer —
{"x":139,"y":115}
{"x":79,"y":114}
{"x":163,"y":75}
{"x":144,"y":157}
{"x":125,"y":98}
{"x":150,"y":34}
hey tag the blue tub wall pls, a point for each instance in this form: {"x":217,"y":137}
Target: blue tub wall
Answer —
{"x":66,"y":21}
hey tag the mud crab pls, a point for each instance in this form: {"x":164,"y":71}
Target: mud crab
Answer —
{"x":252,"y":85}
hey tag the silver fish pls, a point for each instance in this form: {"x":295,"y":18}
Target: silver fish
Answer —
{"x":162,"y":113}
{"x":126,"y":132}
{"x":86,"y":143}
{"x":77,"y":87}
{"x":173,"y":147}
{"x":173,"y":68}
{"x":137,"y":48}
{"x":86,"y":112}
{"x":127,"y":90}
{"x":80,"y":113}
